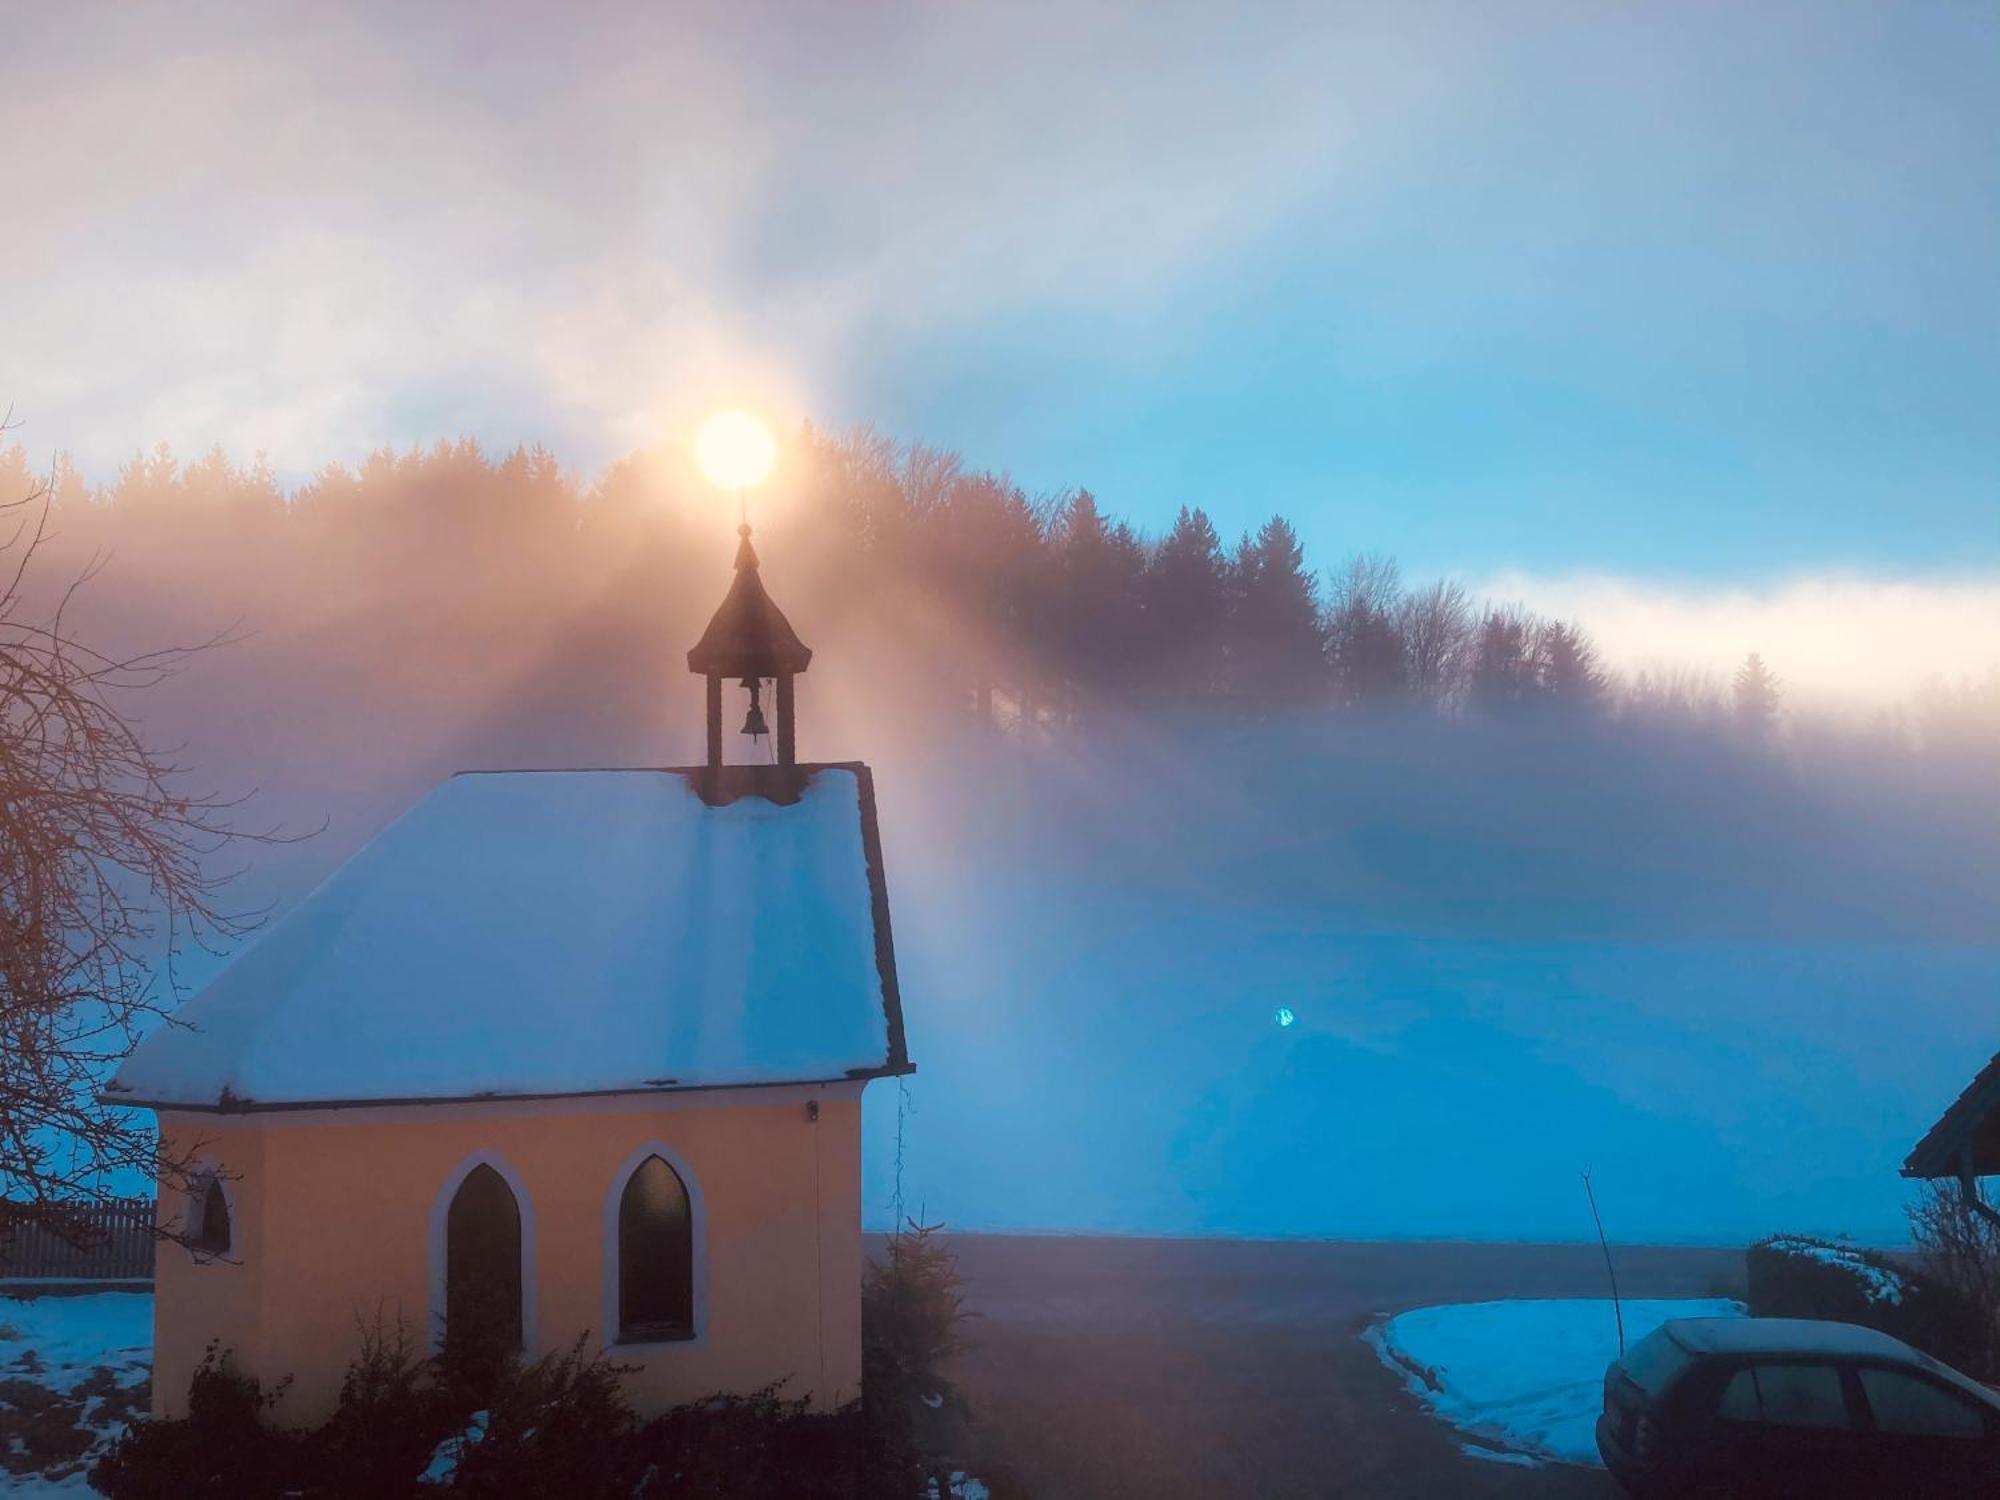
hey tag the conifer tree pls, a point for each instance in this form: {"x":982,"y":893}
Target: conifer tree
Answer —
{"x":1756,"y":695}
{"x":1566,"y":666}
{"x":1277,"y":647}
{"x":1097,"y":608}
{"x":1503,"y":675}
{"x":1186,"y":598}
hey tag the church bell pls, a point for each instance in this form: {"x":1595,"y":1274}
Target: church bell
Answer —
{"x":753,"y":722}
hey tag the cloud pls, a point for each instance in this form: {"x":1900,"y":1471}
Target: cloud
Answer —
{"x":1835,"y":640}
{"x":373,"y":225}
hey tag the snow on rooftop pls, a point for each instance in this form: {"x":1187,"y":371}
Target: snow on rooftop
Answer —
{"x":554,"y":932}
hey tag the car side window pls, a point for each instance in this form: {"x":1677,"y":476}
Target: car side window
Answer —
{"x":1785,"y":1396}
{"x":1907,"y":1406}
{"x":1739,"y":1398}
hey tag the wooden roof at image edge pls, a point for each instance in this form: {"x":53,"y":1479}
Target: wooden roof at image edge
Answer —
{"x":1971,"y":1124}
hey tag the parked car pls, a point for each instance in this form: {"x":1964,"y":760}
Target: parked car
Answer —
{"x":1793,"y":1407}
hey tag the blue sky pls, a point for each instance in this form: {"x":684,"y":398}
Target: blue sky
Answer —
{"x":1698,"y":295}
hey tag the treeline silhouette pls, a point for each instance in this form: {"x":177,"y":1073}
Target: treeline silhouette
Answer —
{"x":1075,"y":611}
{"x":424,"y":576}
{"x":1041,"y":683}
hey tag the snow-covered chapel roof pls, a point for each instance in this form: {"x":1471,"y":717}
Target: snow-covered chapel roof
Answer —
{"x":538,"y":933}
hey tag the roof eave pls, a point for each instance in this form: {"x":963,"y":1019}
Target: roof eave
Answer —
{"x":1938,"y":1153}
{"x":236,"y":1106}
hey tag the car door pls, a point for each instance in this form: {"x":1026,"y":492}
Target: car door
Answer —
{"x":1925,"y":1439}
{"x":1788,"y":1432}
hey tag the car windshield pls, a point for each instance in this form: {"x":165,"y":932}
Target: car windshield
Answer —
{"x":1655,"y":1362}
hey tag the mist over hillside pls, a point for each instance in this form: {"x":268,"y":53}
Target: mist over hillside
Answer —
{"x":1225,"y":894}
{"x":1736,"y":987}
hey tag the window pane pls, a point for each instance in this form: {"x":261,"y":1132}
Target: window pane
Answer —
{"x":1739,"y":1398}
{"x":1904,"y":1404}
{"x":482,"y":1299}
{"x":1801,"y":1395}
{"x":1655,"y":1362}
{"x":214,"y":1218}
{"x":655,"y":1256}
{"x":209,"y":1233}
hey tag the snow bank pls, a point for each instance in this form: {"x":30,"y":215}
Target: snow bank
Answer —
{"x":1523,"y":1378}
{"x":554,"y":932}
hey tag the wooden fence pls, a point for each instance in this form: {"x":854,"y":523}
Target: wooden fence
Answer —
{"x":115,"y":1243}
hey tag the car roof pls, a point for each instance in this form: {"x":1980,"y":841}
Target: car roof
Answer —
{"x":1758,"y":1337}
{"x":1785,"y":1336}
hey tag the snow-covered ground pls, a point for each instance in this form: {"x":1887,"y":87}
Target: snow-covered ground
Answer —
{"x":73,"y":1371}
{"x":1522,"y":1380}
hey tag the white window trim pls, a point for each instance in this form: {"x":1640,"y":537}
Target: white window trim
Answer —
{"x":440,"y":1218}
{"x":698,"y":1252}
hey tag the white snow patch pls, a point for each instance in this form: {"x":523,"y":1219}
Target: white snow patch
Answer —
{"x":454,"y":955}
{"x":1500,"y":1456}
{"x":59,"y":1342}
{"x":1879,"y":1282}
{"x":443,"y":1467}
{"x":1525,"y":1379}
{"x":961,"y":1486}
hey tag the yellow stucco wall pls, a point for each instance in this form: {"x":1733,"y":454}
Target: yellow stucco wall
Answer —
{"x":334,"y":1214}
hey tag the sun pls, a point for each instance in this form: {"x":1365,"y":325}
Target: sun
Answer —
{"x":735,"y":450}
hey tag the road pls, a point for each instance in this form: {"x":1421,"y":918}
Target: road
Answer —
{"x":1133,"y":1369}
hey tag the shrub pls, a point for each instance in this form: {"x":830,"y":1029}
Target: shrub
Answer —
{"x":762,"y":1447}
{"x":468,"y":1422}
{"x":1794,"y":1276}
{"x":221,"y":1448}
{"x":912,"y":1304}
{"x":912,"y":1310}
{"x":391,"y":1417}
{"x":559,"y":1427}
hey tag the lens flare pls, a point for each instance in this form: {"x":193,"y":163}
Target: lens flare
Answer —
{"x":735,"y":450}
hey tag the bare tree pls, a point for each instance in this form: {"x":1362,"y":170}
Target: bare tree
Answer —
{"x":1364,"y":643}
{"x":107,"y":875}
{"x":1960,"y":1247}
{"x":1436,"y":626}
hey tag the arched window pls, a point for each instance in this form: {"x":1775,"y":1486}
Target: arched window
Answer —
{"x":208,"y":1216}
{"x":655,"y":1256}
{"x":482,"y":1257}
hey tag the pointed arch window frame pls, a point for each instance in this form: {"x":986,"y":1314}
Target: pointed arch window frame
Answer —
{"x":208,"y":1177}
{"x":697,"y":1254}
{"x":438,"y":1238}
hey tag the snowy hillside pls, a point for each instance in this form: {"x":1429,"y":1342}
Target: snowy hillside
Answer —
{"x":1737,"y":988}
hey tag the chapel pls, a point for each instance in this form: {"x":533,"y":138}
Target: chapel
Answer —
{"x":559,"y":1053}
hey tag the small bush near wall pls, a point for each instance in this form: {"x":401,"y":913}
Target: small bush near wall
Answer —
{"x":559,"y":1428}
{"x":1794,"y":1276}
{"x":555,"y":1429}
{"x":222,"y":1448}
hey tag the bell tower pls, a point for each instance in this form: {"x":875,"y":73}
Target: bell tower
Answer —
{"x":750,"y":640}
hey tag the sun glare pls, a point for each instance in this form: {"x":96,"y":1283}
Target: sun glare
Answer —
{"x":735,"y":450}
